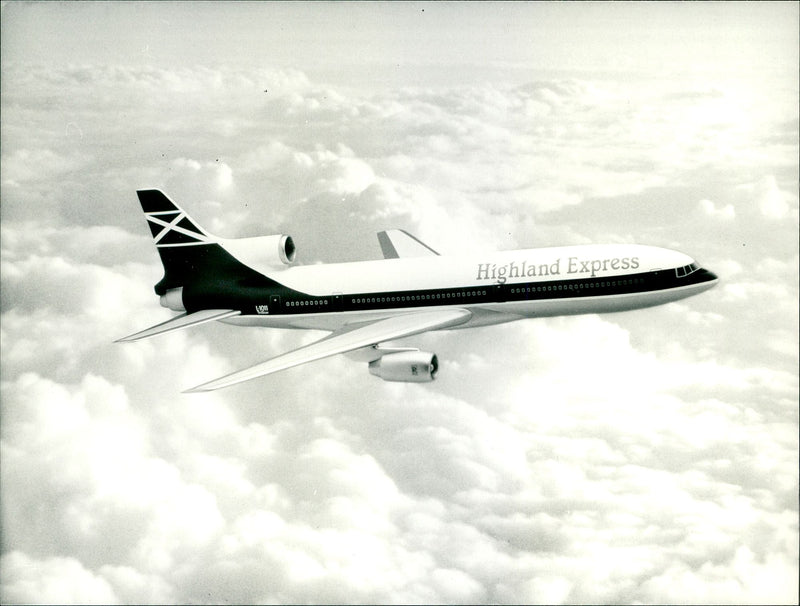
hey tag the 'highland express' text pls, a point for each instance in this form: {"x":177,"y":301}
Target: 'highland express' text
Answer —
{"x":574,"y":265}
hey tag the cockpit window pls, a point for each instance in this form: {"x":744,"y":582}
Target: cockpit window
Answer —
{"x":684,"y":271}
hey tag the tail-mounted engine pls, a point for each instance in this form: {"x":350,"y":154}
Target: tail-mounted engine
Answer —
{"x":406,"y":366}
{"x":173,"y":299}
{"x":260,"y":251}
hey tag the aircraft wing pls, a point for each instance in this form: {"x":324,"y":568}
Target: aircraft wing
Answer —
{"x":396,"y":243}
{"x":349,"y":338}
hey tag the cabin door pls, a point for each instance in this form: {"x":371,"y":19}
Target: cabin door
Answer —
{"x":275,"y":304}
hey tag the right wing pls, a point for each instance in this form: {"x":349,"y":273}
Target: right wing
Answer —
{"x":347,"y":339}
{"x":396,"y":243}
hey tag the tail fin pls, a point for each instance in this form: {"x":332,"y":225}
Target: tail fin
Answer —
{"x":168,"y":222}
{"x":190,"y":255}
{"x":180,"y":241}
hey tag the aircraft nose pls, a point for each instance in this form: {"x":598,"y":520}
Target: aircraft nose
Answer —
{"x":705,"y":275}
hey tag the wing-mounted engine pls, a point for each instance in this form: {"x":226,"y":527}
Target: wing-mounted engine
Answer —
{"x":262,"y":252}
{"x":406,"y":366}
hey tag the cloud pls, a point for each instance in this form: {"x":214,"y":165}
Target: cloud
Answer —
{"x":54,"y":580}
{"x":709,"y":208}
{"x":764,"y":581}
{"x":638,"y":457}
{"x":772,"y":202}
{"x":24,"y":166}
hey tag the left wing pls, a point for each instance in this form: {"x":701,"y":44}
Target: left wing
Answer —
{"x":398,"y":243}
{"x":346,"y":339}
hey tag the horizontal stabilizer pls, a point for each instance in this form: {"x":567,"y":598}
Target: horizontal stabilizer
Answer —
{"x":182,"y":321}
{"x":347,"y":339}
{"x":398,"y":243}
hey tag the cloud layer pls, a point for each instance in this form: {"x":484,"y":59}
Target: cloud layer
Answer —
{"x":636,"y":458}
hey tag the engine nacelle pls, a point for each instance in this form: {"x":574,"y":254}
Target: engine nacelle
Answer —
{"x":406,"y":366}
{"x":173,"y":299}
{"x":262,"y":251}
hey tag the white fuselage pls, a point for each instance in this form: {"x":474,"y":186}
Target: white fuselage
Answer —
{"x":495,"y":287}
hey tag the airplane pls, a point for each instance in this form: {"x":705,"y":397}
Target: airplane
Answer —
{"x":413,"y":289}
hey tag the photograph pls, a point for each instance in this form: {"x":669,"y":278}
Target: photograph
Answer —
{"x":371,"y":302}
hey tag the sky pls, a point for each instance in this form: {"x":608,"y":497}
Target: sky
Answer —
{"x":643,"y":457}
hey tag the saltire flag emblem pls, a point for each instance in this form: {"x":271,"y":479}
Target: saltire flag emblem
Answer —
{"x":175,"y":228}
